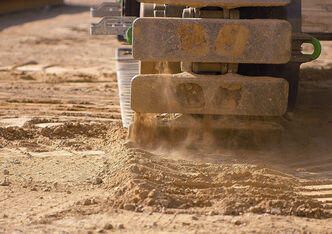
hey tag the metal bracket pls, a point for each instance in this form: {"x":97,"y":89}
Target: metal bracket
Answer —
{"x":159,"y":10}
{"x":112,"y":26}
{"x":298,"y":39}
{"x":106,"y":9}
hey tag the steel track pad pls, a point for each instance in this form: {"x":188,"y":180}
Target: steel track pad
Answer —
{"x":230,"y":94}
{"x":259,"y":41}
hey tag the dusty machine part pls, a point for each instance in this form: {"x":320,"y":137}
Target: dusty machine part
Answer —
{"x":208,"y":62}
{"x":160,"y":67}
{"x":112,"y":26}
{"x":210,"y":132}
{"x":106,"y":9}
{"x":146,"y":10}
{"x":117,"y":18}
{"x":289,"y":71}
{"x":159,"y":10}
{"x":229,"y":94}
{"x":211,"y":42}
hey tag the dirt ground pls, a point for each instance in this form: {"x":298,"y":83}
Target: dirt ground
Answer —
{"x":65,"y":166}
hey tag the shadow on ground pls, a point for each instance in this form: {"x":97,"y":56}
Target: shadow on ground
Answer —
{"x":17,"y":18}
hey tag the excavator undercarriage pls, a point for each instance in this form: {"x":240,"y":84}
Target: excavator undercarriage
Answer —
{"x":224,"y":68}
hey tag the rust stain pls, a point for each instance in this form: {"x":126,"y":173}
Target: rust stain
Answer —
{"x":137,"y":32}
{"x":190,"y":95}
{"x":228,"y":96}
{"x":231,"y":40}
{"x":193,"y":39}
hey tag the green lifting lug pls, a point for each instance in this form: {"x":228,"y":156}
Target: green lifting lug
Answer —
{"x":129,"y":35}
{"x":317,"y":49}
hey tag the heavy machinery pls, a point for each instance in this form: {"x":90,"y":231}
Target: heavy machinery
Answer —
{"x":229,"y":68}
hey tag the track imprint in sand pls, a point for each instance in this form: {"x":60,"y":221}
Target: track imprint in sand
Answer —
{"x":137,"y":179}
{"x":143,"y":179}
{"x":61,"y":147}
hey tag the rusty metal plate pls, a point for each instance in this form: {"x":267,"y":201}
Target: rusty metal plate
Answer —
{"x":229,"y":94}
{"x":212,"y":40}
{"x":220,"y":3}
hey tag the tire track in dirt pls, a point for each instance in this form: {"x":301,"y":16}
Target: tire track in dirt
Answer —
{"x":320,"y":191}
{"x":142,"y":179}
{"x":60,"y":98}
{"x":318,"y":185}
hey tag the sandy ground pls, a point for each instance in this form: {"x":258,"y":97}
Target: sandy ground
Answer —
{"x":65,"y":165}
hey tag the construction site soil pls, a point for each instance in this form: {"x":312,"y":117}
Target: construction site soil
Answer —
{"x":66,"y":165}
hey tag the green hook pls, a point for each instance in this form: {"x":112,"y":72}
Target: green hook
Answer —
{"x":317,"y":49}
{"x":129,"y":35}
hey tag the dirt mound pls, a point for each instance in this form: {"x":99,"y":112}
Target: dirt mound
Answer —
{"x":140,"y":179}
{"x":62,"y":131}
{"x":61,"y":135}
{"x":15,"y":133}
{"x":70,"y":130}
